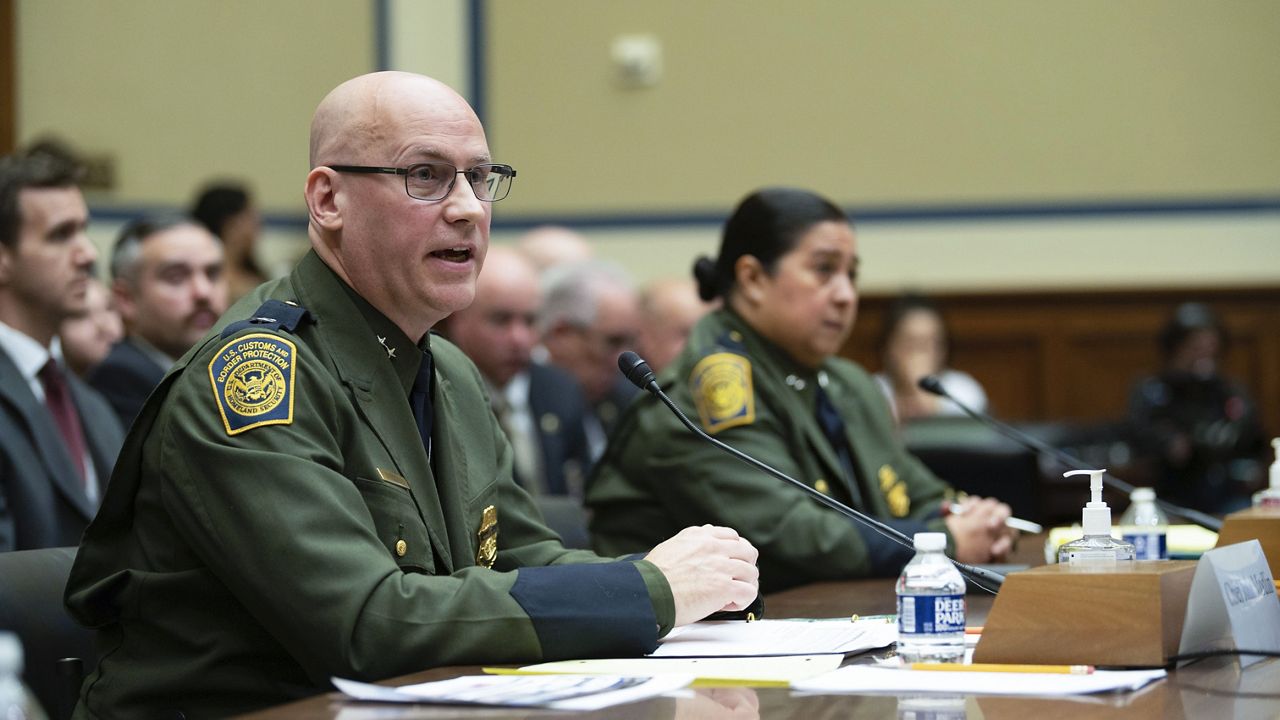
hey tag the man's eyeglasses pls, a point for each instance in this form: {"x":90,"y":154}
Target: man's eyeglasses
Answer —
{"x":434,"y":180}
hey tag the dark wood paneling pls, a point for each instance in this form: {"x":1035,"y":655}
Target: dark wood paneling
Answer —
{"x":1074,"y":355}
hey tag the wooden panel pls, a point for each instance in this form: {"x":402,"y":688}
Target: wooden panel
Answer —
{"x":1075,"y":355}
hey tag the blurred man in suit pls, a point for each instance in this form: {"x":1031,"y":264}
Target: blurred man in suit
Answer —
{"x":669,"y":308}
{"x":540,"y":407}
{"x":591,"y":314}
{"x":58,"y":438}
{"x":170,"y":289}
{"x":551,"y":245}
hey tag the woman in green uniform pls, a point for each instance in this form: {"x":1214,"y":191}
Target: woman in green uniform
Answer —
{"x":761,"y":374}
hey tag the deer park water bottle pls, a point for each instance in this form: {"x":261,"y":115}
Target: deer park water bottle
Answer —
{"x":930,"y":604}
{"x":1145,"y":526}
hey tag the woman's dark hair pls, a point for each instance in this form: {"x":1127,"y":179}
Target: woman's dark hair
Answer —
{"x":1187,"y":319}
{"x":899,"y":309}
{"x":766,"y":225}
{"x":217,"y":203}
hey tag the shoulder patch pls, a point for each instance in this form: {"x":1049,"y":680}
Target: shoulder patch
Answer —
{"x":722,"y":391}
{"x":252,"y":379}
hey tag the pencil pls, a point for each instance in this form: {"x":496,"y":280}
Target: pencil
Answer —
{"x":1006,"y":668}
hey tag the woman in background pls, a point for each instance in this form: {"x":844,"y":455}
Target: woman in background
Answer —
{"x":228,"y":211}
{"x":914,"y":342}
{"x":761,"y":374}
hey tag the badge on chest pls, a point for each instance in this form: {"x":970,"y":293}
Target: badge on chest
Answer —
{"x":487,"y":552}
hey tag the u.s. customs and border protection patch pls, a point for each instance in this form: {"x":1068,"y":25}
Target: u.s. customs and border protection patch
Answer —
{"x":487,"y":535}
{"x":722,"y":391}
{"x":252,"y":377}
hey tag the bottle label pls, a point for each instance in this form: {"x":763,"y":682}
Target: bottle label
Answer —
{"x":1269,"y":501}
{"x":1149,"y":546}
{"x":930,"y":614}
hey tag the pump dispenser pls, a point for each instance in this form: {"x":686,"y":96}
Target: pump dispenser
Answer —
{"x":1269,"y":497}
{"x":1097,"y":545}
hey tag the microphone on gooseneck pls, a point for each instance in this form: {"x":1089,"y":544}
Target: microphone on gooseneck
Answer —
{"x":931,"y":384}
{"x":637,"y":371}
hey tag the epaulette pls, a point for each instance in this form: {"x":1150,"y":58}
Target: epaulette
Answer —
{"x":271,"y":315}
{"x":731,"y":340}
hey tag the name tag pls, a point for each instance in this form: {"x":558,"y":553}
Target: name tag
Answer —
{"x":1233,"y":603}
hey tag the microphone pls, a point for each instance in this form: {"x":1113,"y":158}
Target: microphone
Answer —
{"x":931,"y":384}
{"x":637,"y":371}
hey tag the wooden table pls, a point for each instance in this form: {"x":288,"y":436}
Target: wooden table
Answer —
{"x":1216,"y":688}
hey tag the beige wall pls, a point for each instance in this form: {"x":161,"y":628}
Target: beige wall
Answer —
{"x":871,"y":103}
{"x":876,"y":103}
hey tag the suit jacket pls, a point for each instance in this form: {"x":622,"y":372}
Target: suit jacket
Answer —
{"x":42,"y":500}
{"x":125,"y":377}
{"x":557,"y":405}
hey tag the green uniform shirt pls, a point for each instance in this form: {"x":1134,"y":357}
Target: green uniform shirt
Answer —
{"x":274,"y":520}
{"x":657,"y":477}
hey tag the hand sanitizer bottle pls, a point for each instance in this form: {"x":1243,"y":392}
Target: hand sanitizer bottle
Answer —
{"x":1097,"y":545}
{"x":1144,"y":525}
{"x":1269,"y":497}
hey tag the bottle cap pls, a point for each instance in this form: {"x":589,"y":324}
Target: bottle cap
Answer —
{"x":1143,"y":495}
{"x":930,"y":541}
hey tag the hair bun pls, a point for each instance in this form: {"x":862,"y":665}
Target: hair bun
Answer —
{"x":704,"y":271}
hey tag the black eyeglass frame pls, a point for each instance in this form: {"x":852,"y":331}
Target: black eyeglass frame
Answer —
{"x":498,"y":168}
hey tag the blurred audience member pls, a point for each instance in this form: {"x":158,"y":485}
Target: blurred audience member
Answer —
{"x":1200,"y":427}
{"x":669,"y":308}
{"x":552,"y":245}
{"x":58,"y":437}
{"x":590,"y":315}
{"x":227,"y":210}
{"x":88,"y":337}
{"x":914,"y":342}
{"x":540,"y":407}
{"x":167,"y":277}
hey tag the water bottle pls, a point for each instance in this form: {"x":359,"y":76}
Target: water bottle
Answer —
{"x":1145,"y":526}
{"x":930,"y":604}
{"x":15,"y":702}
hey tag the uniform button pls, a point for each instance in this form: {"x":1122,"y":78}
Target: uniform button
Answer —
{"x":735,"y":336}
{"x":821,"y":486}
{"x":402,"y":547}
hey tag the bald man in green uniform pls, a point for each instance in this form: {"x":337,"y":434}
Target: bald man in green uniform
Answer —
{"x":319,"y":488}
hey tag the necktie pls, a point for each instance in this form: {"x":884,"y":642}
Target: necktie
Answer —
{"x":420,"y":401}
{"x":524,"y":459}
{"x":57,"y":397}
{"x":833,"y":428}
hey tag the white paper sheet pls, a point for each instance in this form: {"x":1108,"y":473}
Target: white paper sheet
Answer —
{"x":557,"y":692}
{"x":778,"y":637}
{"x":745,"y":670}
{"x":867,"y":679}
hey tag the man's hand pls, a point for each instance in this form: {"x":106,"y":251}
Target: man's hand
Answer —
{"x":709,"y":569}
{"x":977,"y":526}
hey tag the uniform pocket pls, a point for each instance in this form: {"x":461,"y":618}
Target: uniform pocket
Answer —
{"x":398,"y":524}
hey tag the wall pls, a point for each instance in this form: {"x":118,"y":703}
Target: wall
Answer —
{"x":983,"y":145}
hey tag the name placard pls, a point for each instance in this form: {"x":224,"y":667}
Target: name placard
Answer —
{"x":1233,"y":603}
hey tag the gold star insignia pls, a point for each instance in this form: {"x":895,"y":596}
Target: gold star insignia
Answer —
{"x":391,"y":352}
